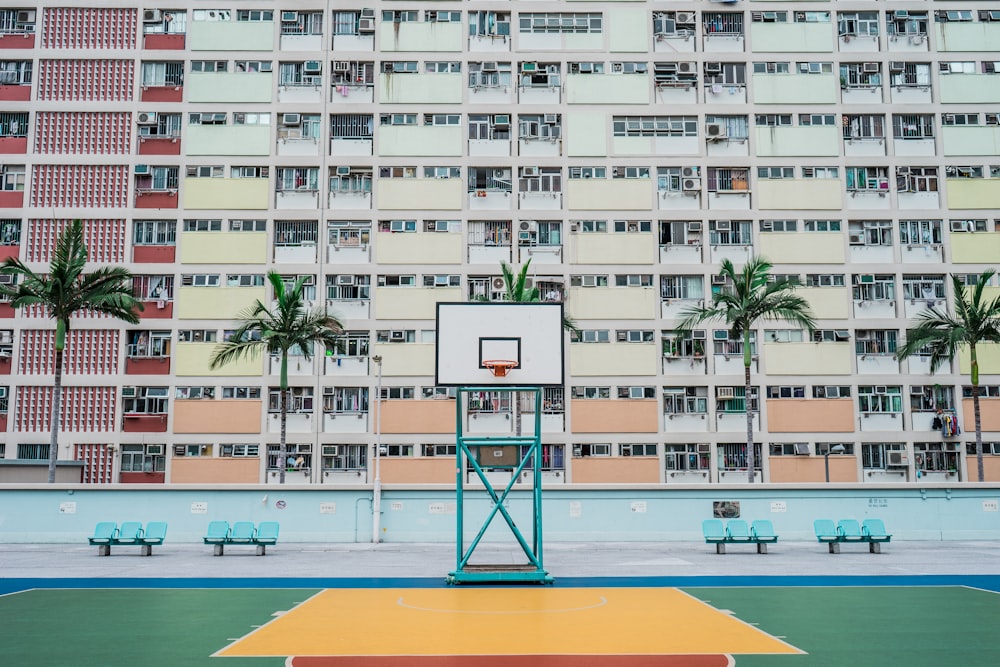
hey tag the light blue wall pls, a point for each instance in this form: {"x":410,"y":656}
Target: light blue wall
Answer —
{"x":38,"y":514}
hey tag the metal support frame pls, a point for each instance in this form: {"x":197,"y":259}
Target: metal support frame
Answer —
{"x":532,"y":571}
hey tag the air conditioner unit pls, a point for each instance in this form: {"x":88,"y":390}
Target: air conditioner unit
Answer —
{"x":291,"y":118}
{"x":154,"y":450}
{"x":694,"y":226}
{"x":489,"y":67}
{"x":6,"y":279}
{"x":341,"y":66}
{"x":897,"y":66}
{"x":366,"y":25}
{"x":289,"y":17}
{"x":898,"y":458}
{"x":725,"y":392}
{"x":498,"y":283}
{"x":689,"y":172}
{"x":312,"y":67}
{"x":585,"y":68}
{"x":343,"y":171}
{"x":529,"y":68}
{"x":6,"y":337}
{"x":551,"y":118}
{"x":501,"y":120}
{"x":901,"y":14}
{"x":142,"y":169}
{"x":129,"y":392}
{"x":146,"y":118}
{"x":713,"y":68}
{"x":345,"y":280}
{"x":148,"y":16}
{"x":397,"y":336}
{"x":691,"y":184}
{"x":766,"y":225}
{"x":686,"y":68}
{"x":529,"y":171}
{"x":719,"y":280}
{"x":368,"y":13}
{"x":684,"y":17}
{"x":528,"y":226}
{"x":723,"y":225}
{"x":819,"y":391}
{"x":802,"y":448}
{"x":715,"y":131}
{"x":959,"y":226}
{"x":698,"y":334}
{"x":870,"y":67}
{"x":856,"y":239}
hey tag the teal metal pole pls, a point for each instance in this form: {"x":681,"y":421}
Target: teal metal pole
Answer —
{"x":459,"y":474}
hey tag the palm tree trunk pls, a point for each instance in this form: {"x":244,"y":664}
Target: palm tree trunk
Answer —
{"x":282,"y":446}
{"x":747,"y":360}
{"x":56,"y":401}
{"x":974,"y":373}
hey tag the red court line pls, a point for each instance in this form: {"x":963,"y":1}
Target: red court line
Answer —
{"x":514,"y":661}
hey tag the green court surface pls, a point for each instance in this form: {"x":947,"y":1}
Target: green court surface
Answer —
{"x":832,"y":625}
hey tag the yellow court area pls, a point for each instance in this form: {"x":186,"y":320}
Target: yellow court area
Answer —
{"x":505,"y":621}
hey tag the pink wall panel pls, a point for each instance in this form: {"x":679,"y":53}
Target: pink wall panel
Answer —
{"x":89,"y":28}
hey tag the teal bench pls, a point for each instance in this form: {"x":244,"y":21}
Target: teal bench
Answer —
{"x":736,"y":531}
{"x":846,"y":531}
{"x":131,"y":533}
{"x":220,"y":534}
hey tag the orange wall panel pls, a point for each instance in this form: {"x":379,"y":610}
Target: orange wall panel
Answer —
{"x":156,"y":200}
{"x":429,"y":470}
{"x":991,"y":468}
{"x":154,"y":254}
{"x":797,"y":415}
{"x":792,"y":469}
{"x":418,"y":416}
{"x":207,"y":416}
{"x":989,"y":415}
{"x":205,"y":470}
{"x":162,"y":94}
{"x":154,"y":146}
{"x":610,"y":416}
{"x":162,"y":42}
{"x":615,"y":470}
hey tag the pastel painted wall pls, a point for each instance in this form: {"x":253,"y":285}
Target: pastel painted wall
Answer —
{"x":975,"y":248}
{"x":988,"y":355}
{"x":619,"y":303}
{"x":791,"y":37}
{"x":215,"y":303}
{"x":613,"y":359}
{"x":412,"y":303}
{"x":795,"y":88}
{"x":226,"y":193}
{"x":820,"y":415}
{"x":207,"y":470}
{"x":628,"y":30}
{"x":804,"y":248}
{"x":803,"y":469}
{"x":973,"y":192}
{"x":405,"y":359}
{"x":827,"y":303}
{"x":618,"y":248}
{"x":808,"y":358}
{"x":41,"y":513}
{"x":418,"y":248}
{"x":420,"y":88}
{"x":586,"y":133}
{"x":803,"y":140}
{"x":961,"y":36}
{"x":607,"y":88}
{"x":236,"y":87}
{"x":989,"y":414}
{"x":614,"y":416}
{"x":425,"y":140}
{"x":230,"y":35}
{"x":227,"y":140}
{"x":192,"y":359}
{"x":970,"y":88}
{"x":799,"y":194}
{"x":436,"y":194}
{"x":970,"y":140}
{"x":217,"y":416}
{"x":418,"y":417}
{"x":609,"y":194}
{"x":420,"y":36}
{"x":223,"y":247}
{"x":433,"y":470}
{"x":615,"y":470}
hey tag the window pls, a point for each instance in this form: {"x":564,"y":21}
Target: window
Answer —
{"x":778,"y":225}
{"x":192,"y":393}
{"x":591,"y":449}
{"x":788,"y":449}
{"x":685,"y":400}
{"x":785,"y":391}
{"x":245,"y":280}
{"x":773,"y":120}
{"x":12,"y":178}
{"x":682,"y":287}
{"x":145,"y":400}
{"x":821,"y":172}
{"x":722,"y":23}
{"x":874,"y":287}
{"x":730,"y":232}
{"x":880,"y":456}
{"x":909,"y":75}
{"x":560,"y":23}
{"x":923,"y":287}
{"x":913,"y":126}
{"x":858,"y":24}
{"x":192,"y":450}
{"x":33,"y":452}
{"x":917,"y":179}
{"x":783,"y":335}
{"x":821,"y":225}
{"x":880,"y":399}
{"x":344,"y":458}
{"x":156,"y":75}
{"x":655,"y":126}
{"x":209,"y":66}
{"x":242,"y":394}
{"x":10,"y":231}
{"x":588,"y":172}
{"x":825,"y":280}
{"x":297,"y":178}
{"x":143,"y":458}
{"x":443,"y":67}
{"x":15,"y":72}
{"x":357,"y":181}
{"x":773,"y":173}
{"x":862,"y":127}
{"x":875,"y":342}
{"x":830,"y":336}
{"x":931,"y":398}
{"x":154,"y":232}
{"x":637,"y":449}
{"x":341,"y":400}
{"x":688,"y":457}
{"x":733,"y":456}
{"x":831,"y":391}
{"x":298,"y":457}
{"x":771,"y":68}
{"x":728,"y":179}
{"x":442,"y":280}
{"x":733,"y":128}
{"x":769,"y":17}
{"x":254,"y":15}
{"x":590,"y":336}
{"x":636,"y":393}
{"x":586,"y":68}
{"x":203,"y":225}
{"x":870,"y":232}
{"x":960,"y":119}
{"x":867,"y":179}
{"x":396,"y":336}
{"x":205,"y":171}
{"x":397,"y":393}
{"x":815,"y":68}
{"x":684,"y":343}
{"x":148,"y":344}
{"x":634,"y":280}
{"x":300,"y":399}
{"x":733,"y":399}
{"x":197,"y":335}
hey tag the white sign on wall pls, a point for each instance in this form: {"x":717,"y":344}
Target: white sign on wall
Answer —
{"x":199,"y":508}
{"x":639,"y":506}
{"x":328,"y":508}
{"x":991,"y":506}
{"x":67,"y":508}
{"x":779,"y":506}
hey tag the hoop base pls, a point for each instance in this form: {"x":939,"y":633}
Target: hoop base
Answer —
{"x":500,"y":367}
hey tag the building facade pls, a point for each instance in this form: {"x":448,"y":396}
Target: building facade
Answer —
{"x":395,"y":153}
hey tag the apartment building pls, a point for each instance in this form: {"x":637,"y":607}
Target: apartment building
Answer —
{"x":395,"y":153}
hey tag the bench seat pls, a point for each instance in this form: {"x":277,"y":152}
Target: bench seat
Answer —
{"x":736,"y":531}
{"x":220,"y":534}
{"x":131,"y":533}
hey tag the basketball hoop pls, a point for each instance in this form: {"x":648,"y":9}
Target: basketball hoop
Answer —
{"x":500,"y":367}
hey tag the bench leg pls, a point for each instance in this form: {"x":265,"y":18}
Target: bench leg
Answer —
{"x":875,"y":547}
{"x":216,"y":549}
{"x":145,"y":549}
{"x":761,"y":548}
{"x":103,"y":549}
{"x":261,"y":550}
{"x":834,"y":547}
{"x":720,"y":548}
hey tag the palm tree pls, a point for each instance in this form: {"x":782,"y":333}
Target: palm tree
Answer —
{"x":290,"y":326}
{"x":750,"y":296}
{"x":976,"y":321}
{"x":516,"y":290}
{"x":66,"y":291}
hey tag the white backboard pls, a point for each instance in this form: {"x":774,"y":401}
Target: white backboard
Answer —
{"x":470,"y":333}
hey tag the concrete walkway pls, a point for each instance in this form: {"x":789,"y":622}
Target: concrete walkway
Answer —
{"x":603,"y":559}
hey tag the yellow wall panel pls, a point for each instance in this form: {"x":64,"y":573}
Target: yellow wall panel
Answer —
{"x":226,"y":193}
{"x":229,"y":86}
{"x":612,"y":303}
{"x":803,"y":140}
{"x":809,"y":194}
{"x":973,"y":193}
{"x":419,"y":248}
{"x":216,"y":303}
{"x":230,"y":35}
{"x":613,"y":359}
{"x":405,"y":359}
{"x":227,"y":140}
{"x":615,"y":194}
{"x":827,"y":303}
{"x":808,"y":358}
{"x":427,"y":140}
{"x":412,"y":303}
{"x":975,"y":248}
{"x":798,"y":248}
{"x":223,"y":247}
{"x":192,"y":359}
{"x":988,"y":355}
{"x":638,"y":248}
{"x":421,"y":88}
{"x":444,"y":194}
{"x":628,"y":30}
{"x":586,"y":133}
